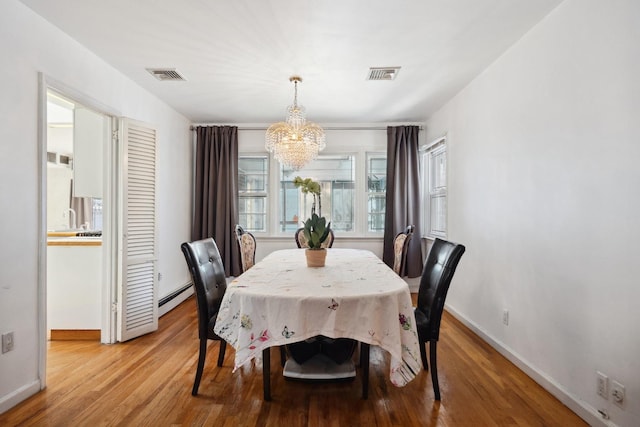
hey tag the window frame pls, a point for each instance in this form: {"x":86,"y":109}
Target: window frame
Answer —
{"x":430,"y":191}
{"x":346,"y":145}
{"x":266,"y":193}
{"x":368,"y":156}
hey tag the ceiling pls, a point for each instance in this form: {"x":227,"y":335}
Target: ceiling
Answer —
{"x":237,"y":56}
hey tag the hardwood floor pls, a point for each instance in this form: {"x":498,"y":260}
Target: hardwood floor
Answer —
{"x":148,"y":381}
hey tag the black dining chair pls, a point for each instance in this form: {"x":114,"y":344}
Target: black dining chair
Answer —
{"x":207,"y":272}
{"x":400,"y":248}
{"x":302,"y":242}
{"x":436,"y":277}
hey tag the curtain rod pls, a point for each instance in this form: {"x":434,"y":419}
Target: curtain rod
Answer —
{"x":193,"y":128}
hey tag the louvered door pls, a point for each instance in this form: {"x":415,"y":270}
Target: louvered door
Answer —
{"x":138,"y":297}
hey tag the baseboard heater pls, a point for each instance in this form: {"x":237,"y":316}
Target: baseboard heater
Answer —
{"x":174,"y":294}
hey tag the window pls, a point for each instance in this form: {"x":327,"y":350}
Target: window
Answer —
{"x":376,"y":191}
{"x":253,"y":176}
{"x":96,"y":214}
{"x":434,"y":169}
{"x":336,"y":175}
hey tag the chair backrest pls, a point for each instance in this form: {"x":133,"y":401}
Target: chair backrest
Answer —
{"x":436,"y":277}
{"x":207,"y":273}
{"x":247,"y":243}
{"x":400,"y":248}
{"x":301,"y":241}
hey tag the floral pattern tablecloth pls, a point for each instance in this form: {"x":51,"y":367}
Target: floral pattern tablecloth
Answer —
{"x":280,"y":301}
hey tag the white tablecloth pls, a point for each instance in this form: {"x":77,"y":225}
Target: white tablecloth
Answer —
{"x":280,"y":300}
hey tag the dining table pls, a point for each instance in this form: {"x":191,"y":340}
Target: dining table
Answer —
{"x":280,"y":301}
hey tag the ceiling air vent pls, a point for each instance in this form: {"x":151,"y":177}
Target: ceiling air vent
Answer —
{"x":383,"y":73}
{"x":165,"y":74}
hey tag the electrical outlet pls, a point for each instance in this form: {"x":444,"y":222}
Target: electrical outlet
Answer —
{"x":602,"y":385}
{"x":617,"y":393}
{"x":7,"y":342}
{"x":505,"y":317}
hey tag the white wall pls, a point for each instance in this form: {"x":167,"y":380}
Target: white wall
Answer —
{"x":28,"y":45}
{"x":544,"y":191}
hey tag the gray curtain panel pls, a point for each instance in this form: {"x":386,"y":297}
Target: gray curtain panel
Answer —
{"x":216,"y":192}
{"x":403,"y":195}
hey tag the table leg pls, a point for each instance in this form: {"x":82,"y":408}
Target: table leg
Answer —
{"x":364,"y":365}
{"x":266,"y":373}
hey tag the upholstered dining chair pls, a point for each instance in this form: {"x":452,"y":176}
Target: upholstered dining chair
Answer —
{"x":436,"y":277}
{"x":247,"y":243}
{"x":207,"y":272}
{"x":302,"y":242}
{"x":400,"y":248}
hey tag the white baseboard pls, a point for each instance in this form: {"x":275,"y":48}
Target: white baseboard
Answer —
{"x":414,"y":284}
{"x":9,"y":401}
{"x":583,"y":409}
{"x":165,"y":308}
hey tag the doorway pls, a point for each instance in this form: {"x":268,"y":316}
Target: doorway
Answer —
{"x":126,"y":214}
{"x":76,"y":137}
{"x":78,"y":259}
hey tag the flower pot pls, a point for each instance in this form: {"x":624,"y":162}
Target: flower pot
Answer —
{"x":316,"y":257}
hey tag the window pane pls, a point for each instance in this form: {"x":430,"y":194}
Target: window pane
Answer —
{"x":336,"y":175}
{"x":342,"y":196}
{"x":438,"y":214}
{"x":252,"y":189}
{"x":255,"y":205}
{"x":377,"y":174}
{"x":253,"y":222}
{"x":290,"y":200}
{"x":252,"y":174}
{"x":376,"y":187}
{"x":376,"y":209}
{"x":96,"y":217}
{"x":438,"y":169}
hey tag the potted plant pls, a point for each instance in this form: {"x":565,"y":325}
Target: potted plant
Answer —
{"x":315,"y":229}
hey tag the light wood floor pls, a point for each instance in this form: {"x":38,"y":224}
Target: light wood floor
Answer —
{"x":148,"y":381}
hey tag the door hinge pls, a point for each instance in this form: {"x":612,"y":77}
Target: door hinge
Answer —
{"x":114,"y":136}
{"x":114,"y":307}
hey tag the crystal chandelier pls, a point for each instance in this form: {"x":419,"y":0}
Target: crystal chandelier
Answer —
{"x":295,"y":142}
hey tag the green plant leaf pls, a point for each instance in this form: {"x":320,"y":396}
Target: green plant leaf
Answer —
{"x":316,"y":230}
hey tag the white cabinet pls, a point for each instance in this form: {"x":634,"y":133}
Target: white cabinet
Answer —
{"x":74,"y":278}
{"x":89,"y":131}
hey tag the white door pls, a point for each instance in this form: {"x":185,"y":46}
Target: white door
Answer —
{"x":137,"y":284}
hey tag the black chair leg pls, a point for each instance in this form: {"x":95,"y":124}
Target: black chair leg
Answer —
{"x":266,"y":373}
{"x":201,"y":359}
{"x":364,"y":364}
{"x":223,"y":348}
{"x":434,"y":368}
{"x":423,"y":356}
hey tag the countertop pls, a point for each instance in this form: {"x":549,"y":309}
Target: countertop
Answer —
{"x":70,"y":238}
